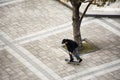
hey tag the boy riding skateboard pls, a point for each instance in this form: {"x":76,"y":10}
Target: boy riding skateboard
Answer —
{"x":72,"y":48}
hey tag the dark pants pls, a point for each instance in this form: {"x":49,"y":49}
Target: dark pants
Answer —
{"x":75,"y":53}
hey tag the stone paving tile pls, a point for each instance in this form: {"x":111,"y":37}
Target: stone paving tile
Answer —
{"x":50,"y":53}
{"x":5,"y":1}
{"x":12,"y":69}
{"x":116,"y":19}
{"x":115,"y":75}
{"x":31,"y":16}
{"x":99,"y":35}
{"x":1,"y":45}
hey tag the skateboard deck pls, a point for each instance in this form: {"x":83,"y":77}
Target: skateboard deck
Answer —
{"x":74,"y":62}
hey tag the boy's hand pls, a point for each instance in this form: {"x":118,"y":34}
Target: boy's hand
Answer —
{"x":70,"y":53}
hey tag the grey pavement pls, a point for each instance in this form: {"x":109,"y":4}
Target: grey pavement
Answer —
{"x":31,"y":32}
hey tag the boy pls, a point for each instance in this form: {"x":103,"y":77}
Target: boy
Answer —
{"x":72,"y":47}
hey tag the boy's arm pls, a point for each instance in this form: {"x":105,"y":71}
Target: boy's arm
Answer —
{"x":70,"y":53}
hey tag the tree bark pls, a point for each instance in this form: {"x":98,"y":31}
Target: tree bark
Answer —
{"x":76,"y":22}
{"x":77,"y":19}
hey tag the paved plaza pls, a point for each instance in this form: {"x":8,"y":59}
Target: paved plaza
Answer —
{"x":31,"y":32}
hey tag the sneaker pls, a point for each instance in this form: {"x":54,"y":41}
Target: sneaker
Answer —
{"x":71,"y":61}
{"x":80,"y":60}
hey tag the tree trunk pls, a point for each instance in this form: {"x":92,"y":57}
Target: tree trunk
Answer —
{"x":76,"y":22}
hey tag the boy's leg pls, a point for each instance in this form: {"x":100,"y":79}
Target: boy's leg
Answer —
{"x":71,"y":58}
{"x":77,"y":55}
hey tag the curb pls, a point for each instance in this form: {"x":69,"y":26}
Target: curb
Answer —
{"x":91,"y":14}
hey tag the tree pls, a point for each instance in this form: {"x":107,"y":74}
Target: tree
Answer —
{"x":77,"y":18}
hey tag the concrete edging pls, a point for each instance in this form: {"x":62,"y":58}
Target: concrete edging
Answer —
{"x":92,"y":14}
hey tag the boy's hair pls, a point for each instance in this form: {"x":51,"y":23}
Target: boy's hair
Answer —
{"x":65,"y":40}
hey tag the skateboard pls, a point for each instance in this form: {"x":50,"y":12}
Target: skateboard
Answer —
{"x":74,"y":62}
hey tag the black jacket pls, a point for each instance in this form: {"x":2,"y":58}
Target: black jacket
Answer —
{"x":71,"y":45}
